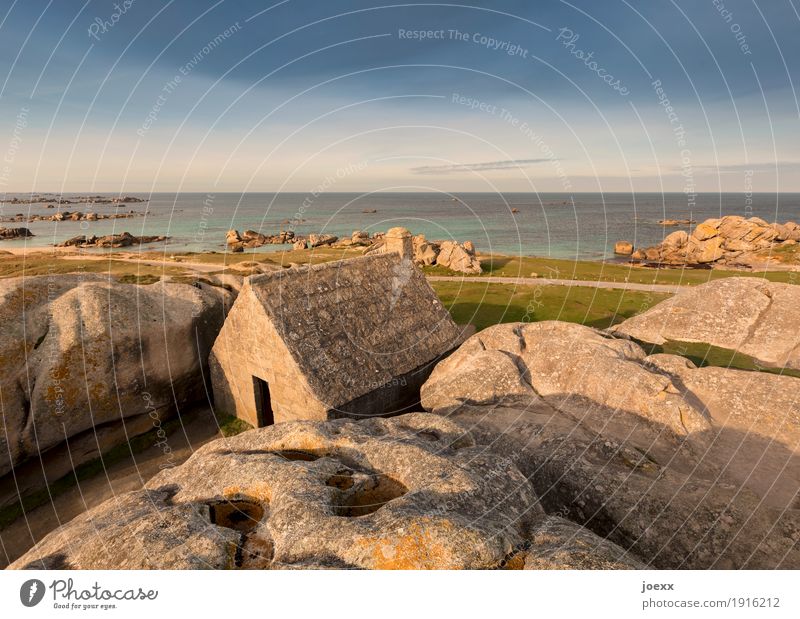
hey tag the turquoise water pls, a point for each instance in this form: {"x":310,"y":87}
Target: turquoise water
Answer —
{"x":579,"y":226}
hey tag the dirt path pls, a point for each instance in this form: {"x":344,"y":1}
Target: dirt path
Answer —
{"x":123,"y":476}
{"x":518,"y":281}
{"x":541,"y":281}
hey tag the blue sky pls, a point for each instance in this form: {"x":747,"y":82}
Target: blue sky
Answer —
{"x":208,"y":95}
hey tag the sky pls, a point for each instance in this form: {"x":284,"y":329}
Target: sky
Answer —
{"x":304,"y":95}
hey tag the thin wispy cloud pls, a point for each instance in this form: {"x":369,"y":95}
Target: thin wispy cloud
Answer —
{"x":739,"y":168}
{"x":482,"y":166}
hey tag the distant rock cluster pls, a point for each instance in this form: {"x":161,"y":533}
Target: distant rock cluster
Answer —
{"x":250,"y":238}
{"x":731,"y":241}
{"x":53,"y":200}
{"x":458,"y":257}
{"x":14,"y":233}
{"x":115,"y":241}
{"x":72,"y":216}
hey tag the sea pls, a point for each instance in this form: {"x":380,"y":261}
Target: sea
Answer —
{"x":581,"y":226}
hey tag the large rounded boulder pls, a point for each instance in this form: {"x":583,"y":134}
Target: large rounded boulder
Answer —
{"x":410,"y":492}
{"x":747,"y":314}
{"x":83,"y":358}
{"x":685,"y":467}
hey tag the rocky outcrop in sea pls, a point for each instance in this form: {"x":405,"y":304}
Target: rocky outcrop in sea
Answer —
{"x":14,"y":233}
{"x":731,"y":241}
{"x":72,"y":216}
{"x":113,"y":241}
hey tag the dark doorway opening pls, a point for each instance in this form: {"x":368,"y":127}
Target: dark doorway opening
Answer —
{"x":265,"y":416}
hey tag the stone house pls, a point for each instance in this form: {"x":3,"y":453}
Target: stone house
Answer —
{"x":352,"y":338}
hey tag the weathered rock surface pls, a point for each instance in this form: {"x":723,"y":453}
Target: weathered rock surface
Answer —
{"x":558,"y":544}
{"x":360,"y":237}
{"x":411,"y":492}
{"x":318,"y":240}
{"x":458,"y":257}
{"x":747,"y":314}
{"x":684,"y":467}
{"x":676,"y":222}
{"x":623,"y":248}
{"x":251,"y":238}
{"x":732,"y":241}
{"x":80,"y":354}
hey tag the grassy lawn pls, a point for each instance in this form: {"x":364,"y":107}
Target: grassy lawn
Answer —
{"x":484,"y":304}
{"x":279,"y":258}
{"x":551,"y":268}
{"x":495,"y":266}
{"x":707,"y":355}
{"x":125,"y":271}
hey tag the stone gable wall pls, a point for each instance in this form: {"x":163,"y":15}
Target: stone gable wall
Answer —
{"x":249,"y":346}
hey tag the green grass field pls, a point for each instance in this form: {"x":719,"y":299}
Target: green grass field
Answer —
{"x":551,"y":268}
{"x":484,"y":304}
{"x":495,"y":266}
{"x":44,"y":263}
{"x":512,"y":266}
{"x":707,"y":355}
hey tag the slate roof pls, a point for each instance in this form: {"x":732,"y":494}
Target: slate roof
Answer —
{"x":354,"y":325}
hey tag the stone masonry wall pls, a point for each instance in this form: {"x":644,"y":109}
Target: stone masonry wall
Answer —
{"x":249,"y":346}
